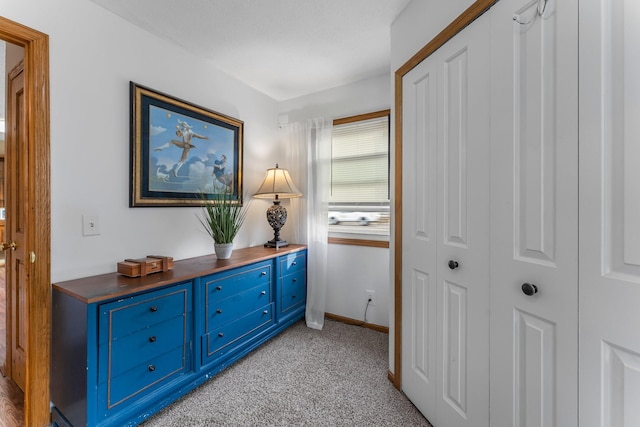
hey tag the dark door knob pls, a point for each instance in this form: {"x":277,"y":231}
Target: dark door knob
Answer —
{"x":453,"y":264}
{"x":529,"y":289}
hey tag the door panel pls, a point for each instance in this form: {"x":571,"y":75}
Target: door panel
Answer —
{"x":534,"y":353}
{"x":534,"y":216}
{"x":453,"y":311}
{"x":455,"y":147}
{"x":454,"y":347}
{"x":610,"y":213}
{"x":421,"y":351}
{"x":535,"y":136}
{"x":446,"y":196}
{"x":620,"y":386}
{"x":16,"y":277}
{"x":419,"y":303}
{"x":463,"y":231}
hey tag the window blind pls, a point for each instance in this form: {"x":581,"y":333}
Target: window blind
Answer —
{"x":360,"y":162}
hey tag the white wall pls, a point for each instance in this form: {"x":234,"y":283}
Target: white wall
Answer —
{"x":360,"y":97}
{"x":92,"y":60}
{"x":418,"y":23}
{"x":352,"y":269}
{"x":93,"y":56}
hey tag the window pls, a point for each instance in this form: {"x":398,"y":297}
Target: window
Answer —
{"x":359,"y":200}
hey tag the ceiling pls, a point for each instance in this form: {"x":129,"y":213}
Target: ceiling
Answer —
{"x":283,"y":48}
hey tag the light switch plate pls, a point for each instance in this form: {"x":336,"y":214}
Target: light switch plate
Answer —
{"x":90,"y":225}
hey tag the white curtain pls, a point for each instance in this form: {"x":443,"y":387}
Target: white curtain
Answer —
{"x":309,"y":159}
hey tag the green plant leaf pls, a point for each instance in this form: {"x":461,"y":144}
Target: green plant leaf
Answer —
{"x":222,"y":217}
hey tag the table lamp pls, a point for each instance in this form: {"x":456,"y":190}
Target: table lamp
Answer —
{"x":277,"y":185}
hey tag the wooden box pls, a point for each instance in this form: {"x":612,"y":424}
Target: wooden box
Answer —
{"x":143,"y":266}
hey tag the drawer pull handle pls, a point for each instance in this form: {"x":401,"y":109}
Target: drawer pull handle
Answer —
{"x":153,"y":308}
{"x":264,"y":273}
{"x":152,"y":339}
{"x":294,"y":280}
{"x":152,"y":368}
{"x":263,"y":293}
{"x":220,"y":334}
{"x":294,"y":263}
{"x":293,"y":297}
{"x":218,"y":288}
{"x":219,"y":311}
{"x":265,"y":312}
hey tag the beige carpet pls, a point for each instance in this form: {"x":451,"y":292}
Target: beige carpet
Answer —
{"x":303,"y":377}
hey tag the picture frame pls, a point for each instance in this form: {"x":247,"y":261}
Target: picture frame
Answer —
{"x":182,"y":154}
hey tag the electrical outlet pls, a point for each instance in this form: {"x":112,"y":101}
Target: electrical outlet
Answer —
{"x":371,"y":297}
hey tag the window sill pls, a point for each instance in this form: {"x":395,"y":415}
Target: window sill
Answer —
{"x":358,"y":242}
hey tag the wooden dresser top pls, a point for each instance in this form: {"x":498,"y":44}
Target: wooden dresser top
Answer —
{"x":112,"y":285}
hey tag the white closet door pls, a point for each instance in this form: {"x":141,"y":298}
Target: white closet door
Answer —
{"x":419,"y":241}
{"x":534,"y":214}
{"x":610,"y":213}
{"x":445,"y":319}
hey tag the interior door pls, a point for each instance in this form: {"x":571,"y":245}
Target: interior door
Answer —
{"x":609,"y":213}
{"x":419,"y":253}
{"x":445,"y":309}
{"x":16,"y":277}
{"x":37,"y":152}
{"x":534,"y":263}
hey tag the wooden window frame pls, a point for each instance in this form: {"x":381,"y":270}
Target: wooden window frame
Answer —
{"x":355,"y":241}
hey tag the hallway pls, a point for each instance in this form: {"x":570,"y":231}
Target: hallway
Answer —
{"x":11,"y":397}
{"x":11,"y":404}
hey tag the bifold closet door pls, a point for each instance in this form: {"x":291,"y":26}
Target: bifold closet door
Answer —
{"x":445,"y":303}
{"x":534,"y":213}
{"x":610,"y":213}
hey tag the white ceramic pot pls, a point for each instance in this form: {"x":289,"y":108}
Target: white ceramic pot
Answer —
{"x":223,"y":250}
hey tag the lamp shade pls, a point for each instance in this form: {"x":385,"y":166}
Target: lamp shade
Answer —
{"x":277,"y":184}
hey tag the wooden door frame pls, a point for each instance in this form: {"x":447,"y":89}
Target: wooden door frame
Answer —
{"x":38,"y":222}
{"x":461,"y":22}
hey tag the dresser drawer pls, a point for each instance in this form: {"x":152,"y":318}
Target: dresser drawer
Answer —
{"x":143,"y":346}
{"x":293,"y":290}
{"x":224,"y":285}
{"x":142,"y":377}
{"x":126,"y":316}
{"x":143,"y":341}
{"x":228,"y":309}
{"x":222,"y":340}
{"x":293,"y":262}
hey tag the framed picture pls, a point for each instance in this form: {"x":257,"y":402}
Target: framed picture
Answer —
{"x":181,"y":153}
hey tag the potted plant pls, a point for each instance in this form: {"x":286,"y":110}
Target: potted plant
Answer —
{"x":222,"y":218}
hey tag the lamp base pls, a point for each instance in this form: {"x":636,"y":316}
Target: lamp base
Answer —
{"x":276,"y":217}
{"x":276,"y":244}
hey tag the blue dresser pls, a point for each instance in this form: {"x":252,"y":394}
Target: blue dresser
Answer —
{"x":124,"y":348}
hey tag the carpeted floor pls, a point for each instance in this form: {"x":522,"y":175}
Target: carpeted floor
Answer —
{"x":303,"y":377}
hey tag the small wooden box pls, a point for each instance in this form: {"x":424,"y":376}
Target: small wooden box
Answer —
{"x":143,"y":266}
